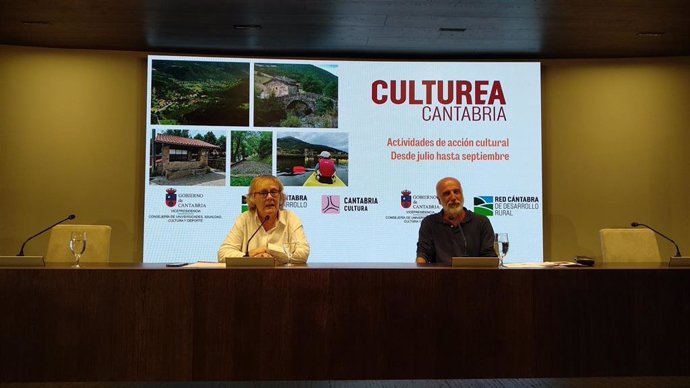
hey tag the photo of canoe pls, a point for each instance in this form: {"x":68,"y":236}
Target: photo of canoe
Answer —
{"x":312,"y":159}
{"x":313,"y":181}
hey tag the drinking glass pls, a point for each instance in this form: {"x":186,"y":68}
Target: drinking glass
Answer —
{"x":289,"y":248}
{"x":501,"y":246}
{"x":77,"y":245}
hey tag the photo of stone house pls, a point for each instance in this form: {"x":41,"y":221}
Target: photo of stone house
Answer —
{"x":279,"y":87}
{"x":179,"y":158}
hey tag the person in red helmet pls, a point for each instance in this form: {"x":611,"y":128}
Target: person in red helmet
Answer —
{"x":325,"y":168}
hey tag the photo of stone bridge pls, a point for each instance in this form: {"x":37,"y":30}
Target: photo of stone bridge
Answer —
{"x":290,"y":95}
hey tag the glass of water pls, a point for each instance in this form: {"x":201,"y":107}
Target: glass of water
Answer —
{"x":289,"y":248}
{"x":501,"y":246}
{"x":77,"y":245}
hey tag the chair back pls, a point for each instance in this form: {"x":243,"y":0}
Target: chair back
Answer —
{"x":629,"y":245}
{"x":97,"y":243}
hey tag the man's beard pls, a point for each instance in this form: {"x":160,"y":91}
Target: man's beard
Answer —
{"x":454,"y":211}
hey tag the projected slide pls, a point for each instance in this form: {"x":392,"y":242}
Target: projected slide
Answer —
{"x":393,"y":129}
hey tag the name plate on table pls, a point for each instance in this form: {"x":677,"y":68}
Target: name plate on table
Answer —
{"x":232,"y":262}
{"x":475,"y":262}
{"x":21,"y":261}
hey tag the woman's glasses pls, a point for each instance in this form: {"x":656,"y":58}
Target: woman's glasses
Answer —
{"x":264,"y":194}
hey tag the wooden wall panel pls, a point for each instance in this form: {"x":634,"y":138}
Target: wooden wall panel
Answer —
{"x":139,"y":324}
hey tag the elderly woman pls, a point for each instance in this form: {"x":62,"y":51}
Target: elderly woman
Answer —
{"x":272,"y":224}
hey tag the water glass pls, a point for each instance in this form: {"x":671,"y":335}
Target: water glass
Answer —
{"x":77,"y":245}
{"x":501,"y":246}
{"x":289,"y":248}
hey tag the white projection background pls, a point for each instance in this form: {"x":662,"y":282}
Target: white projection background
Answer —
{"x":395,"y":129}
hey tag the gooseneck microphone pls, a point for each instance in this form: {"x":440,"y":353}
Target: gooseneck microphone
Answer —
{"x":69,"y":217}
{"x":636,"y":224}
{"x":246,"y":253}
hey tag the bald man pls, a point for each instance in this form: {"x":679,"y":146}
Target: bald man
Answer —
{"x":454,"y":231}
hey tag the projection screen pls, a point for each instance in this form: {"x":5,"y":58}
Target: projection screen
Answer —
{"x":393,"y":130}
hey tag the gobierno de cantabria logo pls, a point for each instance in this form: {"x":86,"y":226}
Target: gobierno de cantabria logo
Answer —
{"x":406,"y":199}
{"x":170,"y":197}
{"x":484,"y":205}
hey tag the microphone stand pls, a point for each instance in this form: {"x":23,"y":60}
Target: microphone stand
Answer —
{"x":246,"y":252}
{"x":21,"y":250}
{"x":676,"y":260}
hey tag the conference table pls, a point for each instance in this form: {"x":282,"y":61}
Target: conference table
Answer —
{"x":146,"y":322}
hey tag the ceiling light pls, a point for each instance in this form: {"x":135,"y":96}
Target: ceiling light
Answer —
{"x":650,"y":33}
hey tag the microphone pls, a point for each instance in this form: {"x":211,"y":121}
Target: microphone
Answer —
{"x":21,"y":251}
{"x":636,"y":224}
{"x":246,"y":253}
{"x":462,"y":233}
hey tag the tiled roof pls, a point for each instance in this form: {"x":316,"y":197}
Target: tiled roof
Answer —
{"x":285,"y":80}
{"x":183,"y":141}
